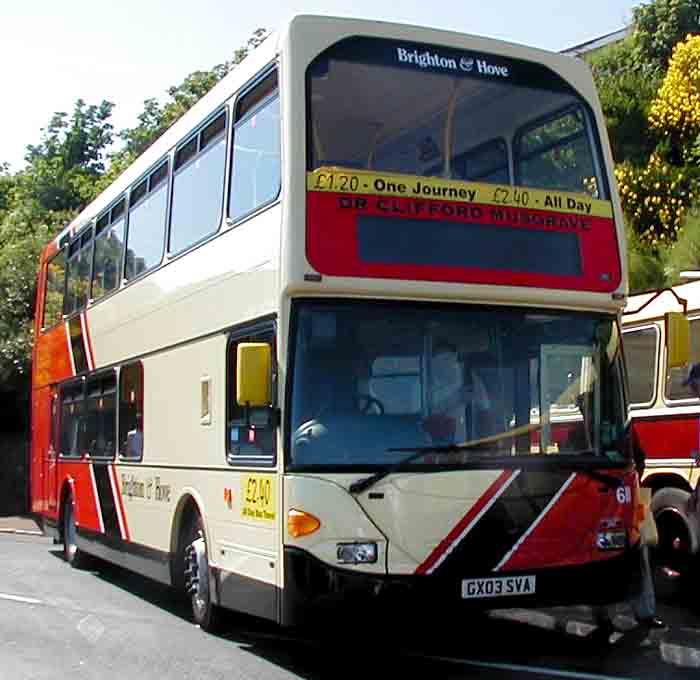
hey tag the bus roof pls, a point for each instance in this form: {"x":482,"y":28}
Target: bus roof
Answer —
{"x":665,"y":302}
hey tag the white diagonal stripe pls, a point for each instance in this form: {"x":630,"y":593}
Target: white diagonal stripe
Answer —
{"x":469,"y":526}
{"x":533,"y":526}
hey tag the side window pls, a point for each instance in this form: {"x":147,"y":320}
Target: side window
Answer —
{"x":72,"y":419}
{"x":556,"y":154}
{"x":55,"y":287}
{"x":487,"y":162}
{"x":198,"y":185}
{"x":84,"y":263}
{"x":146,"y":227}
{"x":109,"y":250}
{"x":101,"y":415}
{"x":641,"y":348}
{"x":251,"y":431}
{"x":131,"y":411}
{"x":675,"y":377}
{"x":78,"y":272}
{"x":255,"y":174}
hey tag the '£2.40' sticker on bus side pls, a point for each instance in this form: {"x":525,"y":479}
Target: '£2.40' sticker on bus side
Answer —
{"x":258,"y":497}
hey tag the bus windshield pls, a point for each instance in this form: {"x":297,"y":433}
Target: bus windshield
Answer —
{"x":430,"y":111}
{"x":373,"y":380}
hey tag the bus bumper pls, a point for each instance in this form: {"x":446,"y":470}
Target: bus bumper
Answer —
{"x":314,"y":590}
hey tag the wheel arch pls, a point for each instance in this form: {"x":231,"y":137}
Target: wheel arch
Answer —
{"x":661,"y":480}
{"x":189,"y":506}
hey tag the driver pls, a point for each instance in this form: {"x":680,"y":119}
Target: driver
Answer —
{"x":461,"y":408}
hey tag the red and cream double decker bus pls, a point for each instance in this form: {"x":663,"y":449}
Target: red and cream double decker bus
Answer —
{"x":350,"y":327}
{"x":665,"y":413}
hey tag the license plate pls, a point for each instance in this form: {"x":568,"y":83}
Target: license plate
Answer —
{"x":499,"y":586}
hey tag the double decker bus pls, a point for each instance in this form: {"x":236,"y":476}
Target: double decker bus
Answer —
{"x":665,"y":414}
{"x":349,"y":330}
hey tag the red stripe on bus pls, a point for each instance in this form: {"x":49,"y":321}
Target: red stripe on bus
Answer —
{"x":456,"y":534}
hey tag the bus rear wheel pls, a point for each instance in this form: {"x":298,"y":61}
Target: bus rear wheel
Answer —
{"x":71,"y":553}
{"x":197,"y":578}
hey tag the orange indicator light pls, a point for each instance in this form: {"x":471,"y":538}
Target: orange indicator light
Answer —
{"x":300,"y":523}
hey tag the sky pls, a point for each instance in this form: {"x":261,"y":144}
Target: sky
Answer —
{"x":125,"y":51}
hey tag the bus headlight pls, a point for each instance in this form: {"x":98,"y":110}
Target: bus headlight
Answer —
{"x":357,"y":553}
{"x":611,"y":540}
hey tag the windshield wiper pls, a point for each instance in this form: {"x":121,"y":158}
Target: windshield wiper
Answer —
{"x":419,"y":451}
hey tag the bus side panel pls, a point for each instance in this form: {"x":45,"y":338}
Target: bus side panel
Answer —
{"x":43,"y":482}
{"x":668,"y":436}
{"x":52,"y":358}
{"x":80,"y":475}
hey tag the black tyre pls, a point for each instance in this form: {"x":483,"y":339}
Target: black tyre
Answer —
{"x":672,"y":558}
{"x":197,"y":578}
{"x":71,"y":553}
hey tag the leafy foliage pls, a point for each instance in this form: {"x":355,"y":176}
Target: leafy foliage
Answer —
{"x":658,"y":27}
{"x":63,"y":168}
{"x":684,"y":254}
{"x":675,"y":113}
{"x":625,"y":97}
{"x":655,"y":198}
{"x":155,"y":118}
{"x":646,"y":265}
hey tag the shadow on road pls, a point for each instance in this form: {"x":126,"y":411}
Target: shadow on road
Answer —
{"x":484,"y":645}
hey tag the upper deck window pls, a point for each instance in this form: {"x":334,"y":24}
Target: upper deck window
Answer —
{"x":78,"y":272}
{"x":198,"y":185}
{"x":55,"y":286}
{"x":255,"y":174}
{"x":432,"y":111}
{"x":109,"y":250}
{"x":146,"y":232}
{"x":437,"y":164}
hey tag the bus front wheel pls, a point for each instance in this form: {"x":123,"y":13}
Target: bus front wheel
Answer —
{"x":673,"y":557}
{"x":197,"y":578}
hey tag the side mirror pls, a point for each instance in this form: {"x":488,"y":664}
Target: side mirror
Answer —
{"x":677,"y":339}
{"x":253,"y":371}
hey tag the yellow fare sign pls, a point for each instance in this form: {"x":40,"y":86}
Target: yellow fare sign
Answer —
{"x":258,"y":497}
{"x":345,"y":181}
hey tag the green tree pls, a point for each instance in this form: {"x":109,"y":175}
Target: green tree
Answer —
{"x":647,"y":266}
{"x":62,"y":170}
{"x":156,"y":118}
{"x":625,"y":97}
{"x":35,"y":203}
{"x":675,"y":112}
{"x":658,"y":27}
{"x":684,"y":254}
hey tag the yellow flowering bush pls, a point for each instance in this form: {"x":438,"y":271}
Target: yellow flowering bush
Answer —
{"x":655,"y":198}
{"x":675,"y":112}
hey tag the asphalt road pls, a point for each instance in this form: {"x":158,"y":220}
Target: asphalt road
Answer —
{"x":62,"y":623}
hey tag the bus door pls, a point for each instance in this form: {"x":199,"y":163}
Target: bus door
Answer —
{"x":51,"y":471}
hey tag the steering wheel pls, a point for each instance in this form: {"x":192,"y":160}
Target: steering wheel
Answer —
{"x":365,"y":403}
